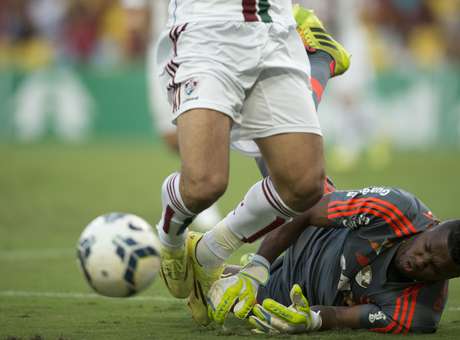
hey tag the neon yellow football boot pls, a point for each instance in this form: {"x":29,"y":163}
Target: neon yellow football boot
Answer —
{"x":315,"y":37}
{"x":176,"y":271}
{"x":203,"y":278}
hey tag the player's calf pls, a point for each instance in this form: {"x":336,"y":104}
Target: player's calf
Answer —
{"x":204,"y":147}
{"x":296,"y":164}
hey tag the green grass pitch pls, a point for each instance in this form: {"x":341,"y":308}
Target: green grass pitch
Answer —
{"x":48,"y":193}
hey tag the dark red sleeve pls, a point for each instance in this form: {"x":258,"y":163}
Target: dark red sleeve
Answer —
{"x":417,"y":309}
{"x":383,"y":212}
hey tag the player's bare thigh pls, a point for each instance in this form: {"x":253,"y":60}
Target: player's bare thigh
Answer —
{"x":296,"y":165}
{"x":204,"y":136}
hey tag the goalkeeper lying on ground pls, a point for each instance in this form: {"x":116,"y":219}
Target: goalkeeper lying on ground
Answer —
{"x":377,"y":259}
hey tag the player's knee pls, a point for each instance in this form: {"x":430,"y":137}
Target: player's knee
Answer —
{"x":306,"y":190}
{"x":205,"y":189}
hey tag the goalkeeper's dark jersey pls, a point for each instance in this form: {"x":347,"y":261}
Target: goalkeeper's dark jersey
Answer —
{"x":350,"y":264}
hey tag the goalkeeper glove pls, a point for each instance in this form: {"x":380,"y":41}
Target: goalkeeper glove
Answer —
{"x":273,"y":317}
{"x":240,"y":288}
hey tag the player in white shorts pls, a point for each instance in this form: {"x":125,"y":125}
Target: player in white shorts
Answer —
{"x":234,"y":65}
{"x":153,"y":15}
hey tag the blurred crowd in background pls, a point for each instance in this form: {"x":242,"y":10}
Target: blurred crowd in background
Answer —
{"x":403,"y":88}
{"x":429,"y":28}
{"x":34,"y":33}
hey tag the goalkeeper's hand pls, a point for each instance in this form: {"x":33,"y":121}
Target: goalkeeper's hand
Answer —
{"x":273,"y":317}
{"x":238,"y":291}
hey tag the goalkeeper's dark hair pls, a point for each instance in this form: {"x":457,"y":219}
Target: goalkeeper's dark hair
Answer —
{"x":453,"y":241}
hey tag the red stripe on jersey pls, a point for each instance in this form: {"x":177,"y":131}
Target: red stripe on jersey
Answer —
{"x":366,"y":203}
{"x":392,"y":324}
{"x":369,"y":211}
{"x":415,"y":292}
{"x":398,"y":212}
{"x":250,"y":10}
{"x":406,"y":296}
{"x":265,"y":230}
{"x":396,"y":314}
{"x":387,"y":204}
{"x":386,"y":329}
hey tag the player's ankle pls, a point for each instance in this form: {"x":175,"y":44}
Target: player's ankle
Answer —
{"x":205,"y":257}
{"x":216,"y":246}
{"x":171,"y":242}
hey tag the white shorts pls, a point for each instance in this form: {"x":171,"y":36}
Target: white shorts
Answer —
{"x":159,"y":107}
{"x":256,"y":73}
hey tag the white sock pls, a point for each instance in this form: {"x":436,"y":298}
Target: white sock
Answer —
{"x":207,"y":218}
{"x":217,"y":245}
{"x":261,"y":211}
{"x":175,"y":218}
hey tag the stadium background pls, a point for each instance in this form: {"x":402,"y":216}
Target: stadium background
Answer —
{"x":77,"y":140}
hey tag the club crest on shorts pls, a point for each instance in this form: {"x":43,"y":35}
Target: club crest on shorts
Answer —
{"x":190,"y":86}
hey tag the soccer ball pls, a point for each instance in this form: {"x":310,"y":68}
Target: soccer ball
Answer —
{"x":118,"y":254}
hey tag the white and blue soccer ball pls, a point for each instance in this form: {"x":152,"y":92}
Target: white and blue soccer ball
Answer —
{"x":118,"y":254}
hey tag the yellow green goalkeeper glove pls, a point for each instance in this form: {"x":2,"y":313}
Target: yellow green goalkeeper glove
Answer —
{"x":273,"y":317}
{"x":238,"y":291}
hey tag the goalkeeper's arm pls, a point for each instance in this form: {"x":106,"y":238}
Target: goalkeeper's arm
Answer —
{"x":339,"y":209}
{"x":278,"y":240}
{"x":340,"y":317}
{"x":272,"y":317}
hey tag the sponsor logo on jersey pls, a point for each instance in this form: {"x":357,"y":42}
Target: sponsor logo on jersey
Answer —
{"x":371,"y":190}
{"x":373,"y":317}
{"x":364,"y":277}
{"x":356,"y":221}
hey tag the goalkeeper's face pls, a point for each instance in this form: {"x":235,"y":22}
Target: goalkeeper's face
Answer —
{"x":426,"y":258}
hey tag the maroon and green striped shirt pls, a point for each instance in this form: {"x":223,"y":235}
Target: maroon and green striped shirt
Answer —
{"x":184,"y":11}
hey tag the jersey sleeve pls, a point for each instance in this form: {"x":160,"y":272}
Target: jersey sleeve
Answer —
{"x":417,"y":309}
{"x":379,"y":212}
